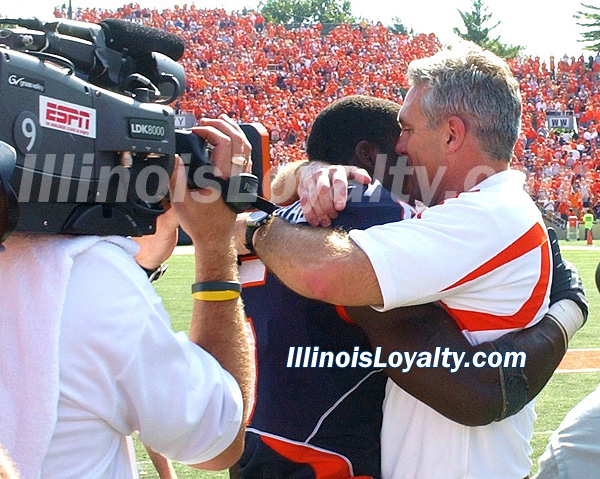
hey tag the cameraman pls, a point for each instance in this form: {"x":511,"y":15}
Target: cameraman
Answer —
{"x":89,"y":357}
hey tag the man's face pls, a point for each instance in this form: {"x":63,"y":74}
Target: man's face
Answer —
{"x":423,"y":147}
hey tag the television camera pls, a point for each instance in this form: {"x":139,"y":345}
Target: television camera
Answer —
{"x":87,"y":139}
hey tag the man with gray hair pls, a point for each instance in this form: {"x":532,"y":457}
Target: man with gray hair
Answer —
{"x":481,"y":250}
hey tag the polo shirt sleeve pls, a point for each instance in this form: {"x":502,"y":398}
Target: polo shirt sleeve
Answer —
{"x":417,"y":259}
{"x":187,"y":407}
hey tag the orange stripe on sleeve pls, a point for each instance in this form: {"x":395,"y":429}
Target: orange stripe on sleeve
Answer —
{"x":477,"y":321}
{"x":536,"y":236}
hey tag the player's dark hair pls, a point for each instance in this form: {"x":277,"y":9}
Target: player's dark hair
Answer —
{"x":347,"y":121}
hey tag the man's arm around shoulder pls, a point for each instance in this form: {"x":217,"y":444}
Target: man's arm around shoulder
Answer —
{"x":318,"y":263}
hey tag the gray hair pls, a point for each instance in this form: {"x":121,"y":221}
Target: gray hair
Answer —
{"x":476,"y":86}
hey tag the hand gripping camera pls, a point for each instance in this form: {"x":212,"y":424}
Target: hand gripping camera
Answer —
{"x":87,"y":139}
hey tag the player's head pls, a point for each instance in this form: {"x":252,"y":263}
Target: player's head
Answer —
{"x":478,"y":87}
{"x":353,"y":131}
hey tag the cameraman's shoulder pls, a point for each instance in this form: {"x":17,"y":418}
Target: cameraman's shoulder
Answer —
{"x":115,"y":247}
{"x":109,"y":263}
{"x":106,"y":282}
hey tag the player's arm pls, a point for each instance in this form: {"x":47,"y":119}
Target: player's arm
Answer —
{"x":471,"y":395}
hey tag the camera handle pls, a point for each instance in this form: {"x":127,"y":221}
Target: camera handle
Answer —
{"x":240,"y":192}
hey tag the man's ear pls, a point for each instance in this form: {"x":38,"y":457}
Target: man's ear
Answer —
{"x":365,"y":155}
{"x":456,"y":132}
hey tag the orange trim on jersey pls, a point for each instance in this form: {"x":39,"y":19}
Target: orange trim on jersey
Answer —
{"x":477,"y":321}
{"x":342,"y":313}
{"x":536,"y":236}
{"x":327,"y":465}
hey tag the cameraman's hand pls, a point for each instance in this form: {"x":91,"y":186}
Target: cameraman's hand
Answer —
{"x":202,"y":213}
{"x":233,"y":161}
{"x":156,"y":248}
{"x":323,"y":189}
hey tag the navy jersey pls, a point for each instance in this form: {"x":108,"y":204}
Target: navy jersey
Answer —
{"x":322,"y":422}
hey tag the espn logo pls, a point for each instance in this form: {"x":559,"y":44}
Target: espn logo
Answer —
{"x":68,"y":117}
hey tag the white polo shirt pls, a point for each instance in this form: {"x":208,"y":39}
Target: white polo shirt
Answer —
{"x":122,"y":369}
{"x":485,"y":256}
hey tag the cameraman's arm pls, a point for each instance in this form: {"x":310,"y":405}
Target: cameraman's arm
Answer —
{"x":164,"y":467}
{"x":217,"y":326}
{"x":7,"y":468}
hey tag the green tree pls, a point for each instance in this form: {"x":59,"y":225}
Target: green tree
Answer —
{"x":398,"y":27}
{"x":306,"y":11}
{"x":477,"y":31}
{"x":591,"y":21}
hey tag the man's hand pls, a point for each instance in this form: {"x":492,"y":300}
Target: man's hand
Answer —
{"x":156,"y":248}
{"x":323,"y":189}
{"x":200,"y":208}
{"x":164,"y":467}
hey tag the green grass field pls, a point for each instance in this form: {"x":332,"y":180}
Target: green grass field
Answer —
{"x":560,"y":395}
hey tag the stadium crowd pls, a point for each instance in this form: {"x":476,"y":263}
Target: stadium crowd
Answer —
{"x":282,"y":77}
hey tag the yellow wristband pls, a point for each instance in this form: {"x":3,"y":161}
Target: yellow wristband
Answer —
{"x":216,"y":290}
{"x":215,"y":295}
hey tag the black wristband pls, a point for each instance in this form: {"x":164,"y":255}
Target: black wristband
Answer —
{"x":217,"y":286}
{"x":156,"y":273}
{"x":566,"y":283}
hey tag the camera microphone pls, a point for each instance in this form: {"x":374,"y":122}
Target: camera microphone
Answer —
{"x":119,"y":35}
{"x":111,"y":53}
{"x":140,"y":40}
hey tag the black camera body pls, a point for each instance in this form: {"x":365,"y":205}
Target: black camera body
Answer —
{"x":89,"y":160}
{"x":87,"y":141}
